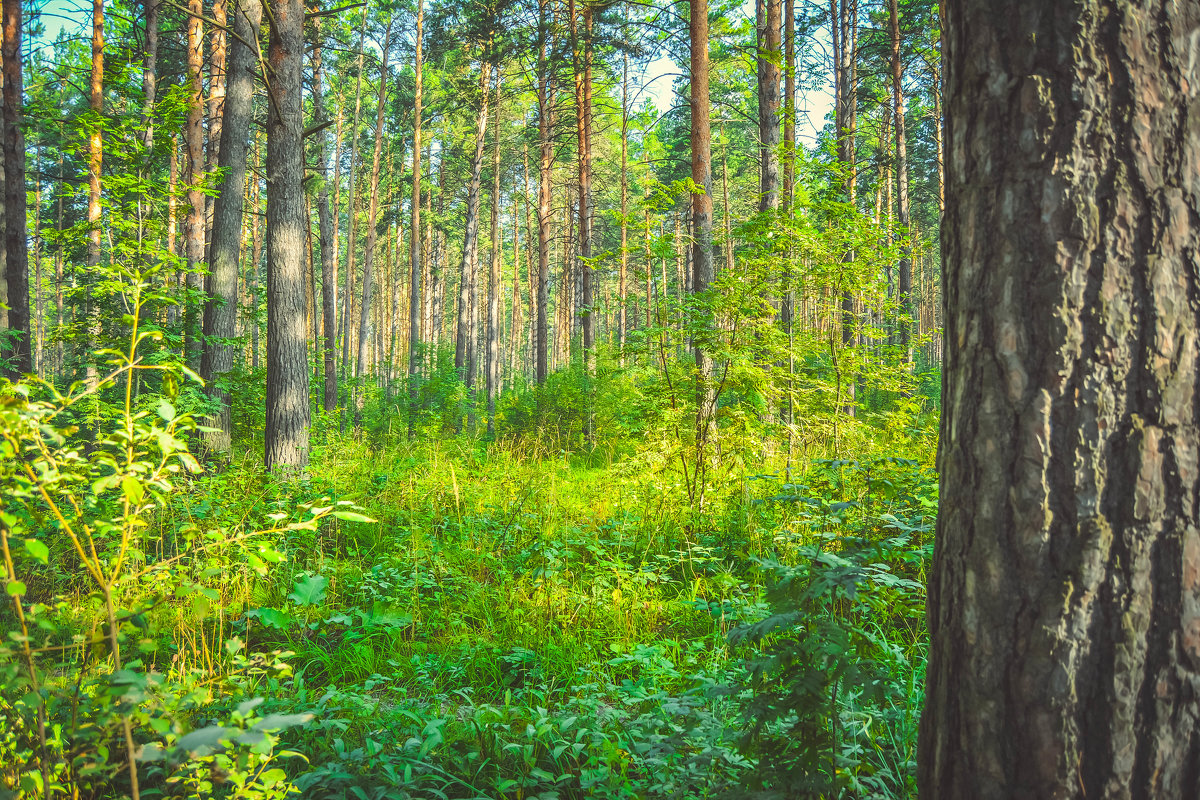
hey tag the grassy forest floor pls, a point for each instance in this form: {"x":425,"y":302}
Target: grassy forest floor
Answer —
{"x":511,"y":623}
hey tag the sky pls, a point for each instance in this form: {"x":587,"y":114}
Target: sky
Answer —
{"x":656,"y":80}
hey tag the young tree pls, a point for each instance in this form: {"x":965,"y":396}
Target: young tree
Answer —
{"x":220,"y":310}
{"x":1064,"y":602}
{"x":288,"y":416}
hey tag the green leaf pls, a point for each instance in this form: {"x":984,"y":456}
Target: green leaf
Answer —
{"x":132,"y":487}
{"x":351,"y":516}
{"x":15,"y":588}
{"x":37,"y":550}
{"x":309,"y":590}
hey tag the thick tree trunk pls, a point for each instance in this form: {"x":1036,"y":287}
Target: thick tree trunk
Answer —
{"x":414,"y":237}
{"x":466,"y":297}
{"x":220,"y":310}
{"x":1064,"y":601}
{"x":702,"y":204}
{"x":19,"y":353}
{"x":328,"y":236}
{"x":372,"y":235}
{"x":194,"y":141}
{"x":288,"y":414}
{"x":768,"y":103}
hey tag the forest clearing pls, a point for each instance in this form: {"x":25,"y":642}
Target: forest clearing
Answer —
{"x":561,"y":399}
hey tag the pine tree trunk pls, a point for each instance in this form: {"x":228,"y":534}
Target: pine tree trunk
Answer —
{"x":19,"y":352}
{"x":768,"y":102}
{"x":702,"y":204}
{"x":351,"y":215}
{"x":462,"y":348}
{"x":194,"y":142}
{"x":372,"y":236}
{"x":217,"y":78}
{"x":327,"y":234}
{"x":414,"y":249}
{"x":492,"y":364}
{"x":220,"y":310}
{"x":545,"y":166}
{"x":904,"y":272}
{"x":95,"y":162}
{"x":288,"y":416}
{"x":1064,"y":600}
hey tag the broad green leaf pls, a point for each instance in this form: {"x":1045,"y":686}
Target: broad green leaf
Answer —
{"x":309,"y":590}
{"x":352,"y":516}
{"x":37,"y":550}
{"x":15,"y":588}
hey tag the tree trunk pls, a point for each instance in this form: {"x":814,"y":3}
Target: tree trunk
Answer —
{"x":904,"y":276}
{"x":328,"y":236}
{"x":1064,"y":601}
{"x":545,"y":166}
{"x":217,"y":77}
{"x":471,"y":240}
{"x":288,"y":413}
{"x":95,"y":162}
{"x":352,"y":217}
{"x":492,"y":361}
{"x":414,"y":236}
{"x":372,"y":234}
{"x":702,"y":205}
{"x":768,"y":103}
{"x":18,"y":351}
{"x":622,"y":287}
{"x":194,"y":141}
{"x":220,"y":310}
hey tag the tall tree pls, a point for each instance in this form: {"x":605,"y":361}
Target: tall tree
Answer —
{"x":288,"y":416}
{"x":904,"y":276}
{"x":769,"y":59}
{"x":492,"y":360}
{"x":467,"y":274}
{"x":17,"y":350}
{"x":622,"y":274}
{"x":95,"y":163}
{"x":1064,"y":602}
{"x":194,"y":142}
{"x":220,"y":310}
{"x":351,"y":212}
{"x":545,"y":97}
{"x":414,"y":237}
{"x":702,"y":204}
{"x":372,"y":230}
{"x":327,"y":232}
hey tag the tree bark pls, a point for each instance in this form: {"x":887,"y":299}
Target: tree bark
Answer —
{"x":466,"y":298}
{"x":372,"y":234}
{"x":768,"y":103}
{"x":220,"y":310}
{"x":288,"y":416}
{"x":194,"y":141}
{"x":95,"y":162}
{"x":19,"y":352}
{"x":1064,"y":601}
{"x":545,"y":166}
{"x":352,"y":216}
{"x":904,"y":272}
{"x":492,"y":362}
{"x":414,"y":243}
{"x":217,"y":79}
{"x":702,"y":205}
{"x":328,"y":236}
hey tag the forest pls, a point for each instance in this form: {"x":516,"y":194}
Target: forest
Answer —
{"x":555,"y":399}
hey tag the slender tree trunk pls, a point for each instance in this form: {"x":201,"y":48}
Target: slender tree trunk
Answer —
{"x":194,"y":141}
{"x":492,"y":362}
{"x":905,"y":269}
{"x":95,"y":162}
{"x":545,"y":166}
{"x":1064,"y":599}
{"x":328,"y":236}
{"x":288,"y":416}
{"x":217,"y":78}
{"x":352,"y":216}
{"x":16,"y":265}
{"x":414,"y":250}
{"x":471,"y":240}
{"x":622,"y":288}
{"x":220,"y":311}
{"x":372,"y":233}
{"x":255,"y":259}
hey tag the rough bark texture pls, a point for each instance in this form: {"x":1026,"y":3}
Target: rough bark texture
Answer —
{"x":768,"y":102}
{"x":16,"y":264}
{"x":327,"y":233}
{"x":288,"y":415}
{"x":1065,"y":596}
{"x":220,"y":310}
{"x":702,"y":204}
{"x":95,"y":162}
